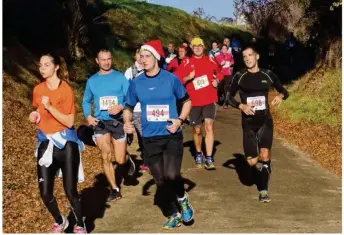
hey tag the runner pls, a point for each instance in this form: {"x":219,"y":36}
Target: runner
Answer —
{"x":107,"y":88}
{"x":227,"y":42}
{"x":158,"y":91}
{"x":170,"y":53}
{"x":254,"y":84}
{"x":215,"y":50}
{"x":58,"y":146}
{"x":226,"y":61}
{"x":131,"y":73}
{"x":200,"y":82}
{"x":176,"y":62}
{"x":188,"y":49}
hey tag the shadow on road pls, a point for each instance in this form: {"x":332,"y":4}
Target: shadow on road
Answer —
{"x":93,"y":202}
{"x":190,"y":144}
{"x":121,"y":173}
{"x":165,"y":192}
{"x":94,"y":199}
{"x":245,"y":172}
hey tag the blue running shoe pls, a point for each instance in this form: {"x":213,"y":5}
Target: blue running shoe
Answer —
{"x":209,"y":163}
{"x":173,"y":221}
{"x":263,"y":196}
{"x":187,"y":210}
{"x":199,"y":160}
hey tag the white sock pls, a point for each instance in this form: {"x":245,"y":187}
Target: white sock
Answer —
{"x":181,"y":199}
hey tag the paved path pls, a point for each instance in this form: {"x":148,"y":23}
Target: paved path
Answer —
{"x":305,"y":197}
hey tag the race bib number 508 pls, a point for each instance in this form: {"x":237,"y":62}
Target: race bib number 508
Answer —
{"x":258,"y":102}
{"x":158,"y":113}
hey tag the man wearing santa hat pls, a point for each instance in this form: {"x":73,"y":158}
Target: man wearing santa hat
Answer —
{"x":158,"y":91}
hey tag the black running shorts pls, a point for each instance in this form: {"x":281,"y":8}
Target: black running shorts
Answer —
{"x":115,"y":128}
{"x":199,"y":113}
{"x":257,"y":134}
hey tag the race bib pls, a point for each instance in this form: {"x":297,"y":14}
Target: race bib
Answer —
{"x":201,"y":82}
{"x":227,"y":64}
{"x":105,"y":102}
{"x":158,"y":113}
{"x":258,"y":102}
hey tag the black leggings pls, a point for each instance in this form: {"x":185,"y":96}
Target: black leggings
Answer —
{"x":165,"y":155}
{"x":66,"y":159}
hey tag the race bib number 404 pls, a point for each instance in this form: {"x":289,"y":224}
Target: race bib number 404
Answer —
{"x":258,"y":102}
{"x":105,"y":102}
{"x":201,"y":82}
{"x":158,"y":113}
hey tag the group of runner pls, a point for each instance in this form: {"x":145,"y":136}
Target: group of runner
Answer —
{"x":155,"y":103}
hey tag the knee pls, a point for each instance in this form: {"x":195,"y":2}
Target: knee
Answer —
{"x":198,"y":131}
{"x":121,"y":159}
{"x":209,"y":127}
{"x":264,"y":155}
{"x":252,"y":161}
{"x":106,"y":152}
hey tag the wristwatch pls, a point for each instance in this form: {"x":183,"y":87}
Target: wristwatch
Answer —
{"x":182,"y":120}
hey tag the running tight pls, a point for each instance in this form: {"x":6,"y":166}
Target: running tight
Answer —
{"x":66,"y":159}
{"x":165,"y":155}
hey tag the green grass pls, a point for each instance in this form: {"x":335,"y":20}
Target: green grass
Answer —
{"x":320,"y":102}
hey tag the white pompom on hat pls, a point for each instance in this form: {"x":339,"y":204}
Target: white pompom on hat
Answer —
{"x":155,"y":47}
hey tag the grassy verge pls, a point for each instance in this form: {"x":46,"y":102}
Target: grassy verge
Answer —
{"x":311,"y":117}
{"x":316,"y":98}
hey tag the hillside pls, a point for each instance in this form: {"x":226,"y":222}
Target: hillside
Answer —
{"x":312,"y":117}
{"x":123,"y":25}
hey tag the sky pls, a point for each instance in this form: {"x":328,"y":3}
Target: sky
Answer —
{"x":217,"y":8}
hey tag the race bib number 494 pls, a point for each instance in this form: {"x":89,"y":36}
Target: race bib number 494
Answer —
{"x":158,"y":113}
{"x":105,"y":102}
{"x":201,"y":82}
{"x":258,"y":102}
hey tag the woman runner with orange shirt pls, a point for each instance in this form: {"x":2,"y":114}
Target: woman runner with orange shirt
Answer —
{"x":58,"y":145}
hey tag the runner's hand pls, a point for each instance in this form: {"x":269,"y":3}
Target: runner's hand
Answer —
{"x":129,"y":127}
{"x":173,"y":128}
{"x":46,"y":102}
{"x":92,"y":121}
{"x":115,"y":109}
{"x":34,"y":117}
{"x":192,"y":75}
{"x":247,"y":109}
{"x":214,"y":82}
{"x":277,"y":100}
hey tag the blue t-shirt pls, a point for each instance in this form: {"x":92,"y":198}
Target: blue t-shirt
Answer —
{"x":158,"y":96}
{"x":106,"y":90}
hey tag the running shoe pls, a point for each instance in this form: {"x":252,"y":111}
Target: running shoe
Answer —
{"x":199,"y":160}
{"x":79,"y":229}
{"x":187,"y":210}
{"x":263,"y":196}
{"x":59,"y":228}
{"x":132,"y":167}
{"x":144,"y":168}
{"x":173,"y":221}
{"x":225,"y":106}
{"x":209,"y":163}
{"x":114,"y":195}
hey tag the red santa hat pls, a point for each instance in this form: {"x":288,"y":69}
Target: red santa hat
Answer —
{"x":155,"y":47}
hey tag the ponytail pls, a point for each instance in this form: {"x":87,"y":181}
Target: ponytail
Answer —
{"x":62,"y":72}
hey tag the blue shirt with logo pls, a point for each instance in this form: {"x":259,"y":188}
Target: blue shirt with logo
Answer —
{"x":98,"y":87}
{"x":156,"y":94}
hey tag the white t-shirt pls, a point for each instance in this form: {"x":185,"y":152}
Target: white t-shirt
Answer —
{"x":129,"y":75}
